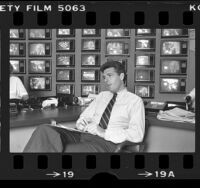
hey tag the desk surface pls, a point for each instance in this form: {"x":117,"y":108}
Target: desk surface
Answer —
{"x":38,"y":116}
{"x":71,"y":113}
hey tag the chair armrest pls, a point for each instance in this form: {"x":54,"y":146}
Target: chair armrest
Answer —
{"x":135,"y":146}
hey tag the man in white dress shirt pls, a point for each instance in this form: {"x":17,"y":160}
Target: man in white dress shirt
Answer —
{"x":126,"y":121}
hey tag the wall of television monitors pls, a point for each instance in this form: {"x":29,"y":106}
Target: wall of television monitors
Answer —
{"x":67,"y":61}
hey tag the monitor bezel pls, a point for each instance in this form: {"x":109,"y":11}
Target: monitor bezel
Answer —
{"x":45,"y":61}
{"x":50,"y":79}
{"x":39,"y":42}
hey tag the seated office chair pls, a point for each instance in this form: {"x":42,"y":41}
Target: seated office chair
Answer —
{"x":130,"y":147}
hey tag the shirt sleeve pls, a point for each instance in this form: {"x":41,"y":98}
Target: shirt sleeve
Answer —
{"x":90,"y":110}
{"x":135,"y":131}
{"x":21,"y":91}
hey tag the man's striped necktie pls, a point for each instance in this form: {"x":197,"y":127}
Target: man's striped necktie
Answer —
{"x":106,"y":114}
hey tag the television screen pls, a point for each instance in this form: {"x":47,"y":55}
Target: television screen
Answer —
{"x":63,"y":74}
{"x":64,"y":60}
{"x":90,"y":60}
{"x":143,"y":44}
{"x":142,"y":91}
{"x":144,"y":75}
{"x":15,"y":65}
{"x":63,"y":31}
{"x":89,"y":31}
{"x":19,"y":65}
{"x":64,"y":88}
{"x":171,"y":48}
{"x":88,"y":75}
{"x":174,"y":32}
{"x":37,"y":49}
{"x":14,"y":33}
{"x":37,"y":66}
{"x":170,"y":67}
{"x":89,"y":89}
{"x":63,"y":45}
{"x":142,"y":60}
{"x":37,"y":83}
{"x":115,"y":48}
{"x":115,"y":32}
{"x":143,"y":31}
{"x":89,"y":45}
{"x":170,"y":84}
{"x":37,"y":33}
{"x":14,"y":49}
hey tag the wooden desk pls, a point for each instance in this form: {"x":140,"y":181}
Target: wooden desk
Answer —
{"x":38,"y":116}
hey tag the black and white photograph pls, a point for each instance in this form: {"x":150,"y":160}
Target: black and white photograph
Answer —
{"x":108,"y":90}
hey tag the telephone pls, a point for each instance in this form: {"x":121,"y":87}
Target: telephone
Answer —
{"x":50,"y":102}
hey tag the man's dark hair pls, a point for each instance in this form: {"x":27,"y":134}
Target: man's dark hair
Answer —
{"x":119,"y":68}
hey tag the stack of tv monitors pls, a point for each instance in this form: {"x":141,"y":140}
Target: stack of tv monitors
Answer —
{"x":18,"y":51}
{"x":65,"y":61}
{"x":145,"y":47}
{"x":118,"y":46}
{"x":173,"y":61}
{"x":40,"y":59}
{"x":90,"y":61}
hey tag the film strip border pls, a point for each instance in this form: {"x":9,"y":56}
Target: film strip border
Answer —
{"x":86,"y":166}
{"x":98,"y":14}
{"x":133,"y":166}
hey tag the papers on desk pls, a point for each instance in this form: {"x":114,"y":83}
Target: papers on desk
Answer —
{"x":177,"y":115}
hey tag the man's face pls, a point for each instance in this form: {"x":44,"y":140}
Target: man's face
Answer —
{"x":113,"y":80}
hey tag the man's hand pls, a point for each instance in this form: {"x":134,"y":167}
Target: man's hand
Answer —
{"x":82,"y":123}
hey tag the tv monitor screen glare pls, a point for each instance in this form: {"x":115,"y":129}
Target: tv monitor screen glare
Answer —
{"x":63,"y":75}
{"x":171,"y":48}
{"x":114,"y":48}
{"x":142,"y":60}
{"x":115,"y":33}
{"x":88,"y":60}
{"x":63,"y":45}
{"x":37,"y":33}
{"x":170,"y":84}
{"x":63,"y":32}
{"x":142,"y":91}
{"x":170,"y":67}
{"x":64,"y":89}
{"x":14,"y":33}
{"x":88,"y":75}
{"x":143,"y":44}
{"x":89,"y":31}
{"x":143,"y":75}
{"x":14,"y":49}
{"x":37,"y":66}
{"x":63,"y":60}
{"x":89,"y":45}
{"x":171,"y":32}
{"x":87,"y":89}
{"x":15,"y":65}
{"x":37,"y":83}
{"x":143,"y":31}
{"x":37,"y":49}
